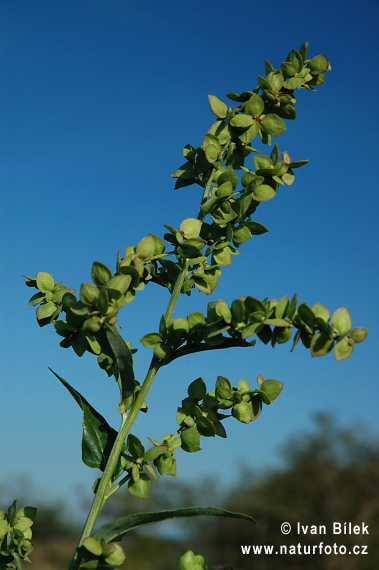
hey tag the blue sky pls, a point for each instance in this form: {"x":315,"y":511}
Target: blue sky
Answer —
{"x":98,"y":100}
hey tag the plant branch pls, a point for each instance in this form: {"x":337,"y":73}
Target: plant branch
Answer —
{"x":176,"y":291}
{"x":102,"y":492}
{"x":227,"y":343}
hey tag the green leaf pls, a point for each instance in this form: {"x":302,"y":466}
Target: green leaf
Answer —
{"x":98,"y":436}
{"x":292,"y":307}
{"x":88,"y":293}
{"x":190,"y":228}
{"x":221,"y":130}
{"x":36,"y":299}
{"x":190,"y":440}
{"x":45,"y":281}
{"x":288,"y":69}
{"x":293,"y":83}
{"x":139,"y":488}
{"x":205,"y":427}
{"x":295,"y":58}
{"x":218,"y":108}
{"x":247,"y":136}
{"x":190,"y":561}
{"x":263,"y":193}
{"x":135,"y":447}
{"x":281,"y":308}
{"x":241,"y":234}
{"x":254,"y":106}
{"x":341,"y":321}
{"x":166,"y":465}
{"x":256,"y":228}
{"x":146,"y":247}
{"x":228,"y":176}
{"x":212,"y":153}
{"x":92,"y":546}
{"x":321,"y":312}
{"x":343,"y":349}
{"x":151,"y":339}
{"x":262,"y":161}
{"x":120,"y":283}
{"x":303,"y":51}
{"x":113,"y":554}
{"x":45,"y":310}
{"x":306,"y":315}
{"x":180,"y":327}
{"x":115,"y":530}
{"x":222,"y":256}
{"x":124,"y":360}
{"x":321,"y":344}
{"x":185,"y":171}
{"x":275,"y":80}
{"x":241,"y":121}
{"x":100,"y":273}
{"x":271,"y":388}
{"x":154,"y":452}
{"x":358,"y":334}
{"x":318,"y":64}
{"x":197,"y":389}
{"x":243,"y":412}
{"x":196,"y":321}
{"x":273,"y":125}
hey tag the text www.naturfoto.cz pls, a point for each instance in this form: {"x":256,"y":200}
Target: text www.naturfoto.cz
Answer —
{"x":320,"y":548}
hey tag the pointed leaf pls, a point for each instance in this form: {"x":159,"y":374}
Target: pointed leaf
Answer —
{"x":271,"y":388}
{"x":264,"y":192}
{"x":100,"y":273}
{"x":141,"y":487}
{"x":114,"y":531}
{"x":321,"y":344}
{"x":218,"y":108}
{"x":318,"y":64}
{"x":45,"y":310}
{"x":45,"y":281}
{"x":124,"y":360}
{"x":98,"y":436}
{"x":135,"y":447}
{"x":358,"y":335}
{"x":190,"y":228}
{"x":343,"y":349}
{"x":254,"y":106}
{"x":190,"y":440}
{"x":341,"y":321}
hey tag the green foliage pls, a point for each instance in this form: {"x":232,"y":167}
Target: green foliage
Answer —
{"x":15,"y":530}
{"x":187,"y":258}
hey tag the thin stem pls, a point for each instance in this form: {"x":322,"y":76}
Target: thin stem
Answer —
{"x":103,"y":492}
{"x":200,"y":215}
{"x":176,"y":291}
{"x":103,"y":489}
{"x":227,"y":343}
{"x":116,"y":487}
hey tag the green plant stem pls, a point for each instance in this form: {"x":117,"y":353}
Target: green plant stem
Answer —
{"x":176,"y":291}
{"x":201,"y":215}
{"x":227,"y":343}
{"x":103,"y":491}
